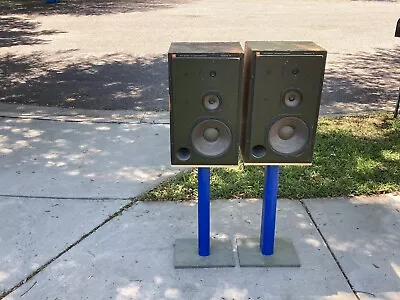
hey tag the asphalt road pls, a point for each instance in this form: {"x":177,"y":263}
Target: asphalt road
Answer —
{"x":112,"y":55}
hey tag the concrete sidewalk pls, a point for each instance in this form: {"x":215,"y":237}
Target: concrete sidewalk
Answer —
{"x":71,"y":228}
{"x":131,"y":255}
{"x":85,"y":159}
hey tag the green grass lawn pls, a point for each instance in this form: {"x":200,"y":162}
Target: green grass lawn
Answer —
{"x":353,"y":156}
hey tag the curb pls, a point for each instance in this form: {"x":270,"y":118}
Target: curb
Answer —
{"x":47,"y":113}
{"x":82,"y":115}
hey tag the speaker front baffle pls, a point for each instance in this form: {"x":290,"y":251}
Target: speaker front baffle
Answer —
{"x":282,"y":94}
{"x":205,"y":82}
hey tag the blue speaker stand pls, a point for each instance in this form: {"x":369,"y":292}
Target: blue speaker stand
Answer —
{"x":203,"y":252}
{"x":266,"y":251}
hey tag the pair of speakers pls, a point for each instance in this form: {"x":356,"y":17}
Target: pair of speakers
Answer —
{"x":267,"y":99}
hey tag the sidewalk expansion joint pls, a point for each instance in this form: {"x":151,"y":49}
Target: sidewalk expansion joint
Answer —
{"x":329,"y":249}
{"x":154,"y":123}
{"x":70,"y":119}
{"x":119,"y":212}
{"x":65,"y":198}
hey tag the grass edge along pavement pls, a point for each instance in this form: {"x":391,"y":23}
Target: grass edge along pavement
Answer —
{"x":353,"y":155}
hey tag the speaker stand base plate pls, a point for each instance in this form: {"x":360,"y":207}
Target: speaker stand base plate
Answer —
{"x":186,"y":254}
{"x":250,"y":255}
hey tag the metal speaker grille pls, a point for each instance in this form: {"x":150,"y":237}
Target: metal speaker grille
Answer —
{"x":211,"y":138}
{"x":288,"y":135}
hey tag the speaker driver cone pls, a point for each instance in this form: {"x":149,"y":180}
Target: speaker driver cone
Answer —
{"x":211,"y":138}
{"x":212,"y":101}
{"x":292,"y":98}
{"x":288,"y":135}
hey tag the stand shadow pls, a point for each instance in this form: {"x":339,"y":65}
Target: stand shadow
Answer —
{"x":111,"y":82}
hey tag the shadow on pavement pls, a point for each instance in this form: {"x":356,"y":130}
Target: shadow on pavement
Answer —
{"x":16,"y":31}
{"x":115,"y":81}
{"x":83,"y":7}
{"x":120,"y":81}
{"x":97,"y":160}
{"x":363,"y":77}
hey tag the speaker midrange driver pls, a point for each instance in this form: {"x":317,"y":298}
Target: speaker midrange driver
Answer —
{"x":211,"y":138}
{"x":288,"y":135}
{"x":292,"y":98}
{"x":212,"y":101}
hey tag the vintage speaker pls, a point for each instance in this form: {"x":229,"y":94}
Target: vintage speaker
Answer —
{"x":205,"y":82}
{"x":282,"y":93}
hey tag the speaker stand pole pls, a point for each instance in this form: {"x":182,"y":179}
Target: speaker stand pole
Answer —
{"x":268,"y":219}
{"x":396,"y":110}
{"x":203,"y":211}
{"x":203,"y":252}
{"x":265,"y":251}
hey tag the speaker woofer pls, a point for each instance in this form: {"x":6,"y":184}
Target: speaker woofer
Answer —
{"x":292,"y":98}
{"x":211,"y":138}
{"x":288,"y":135}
